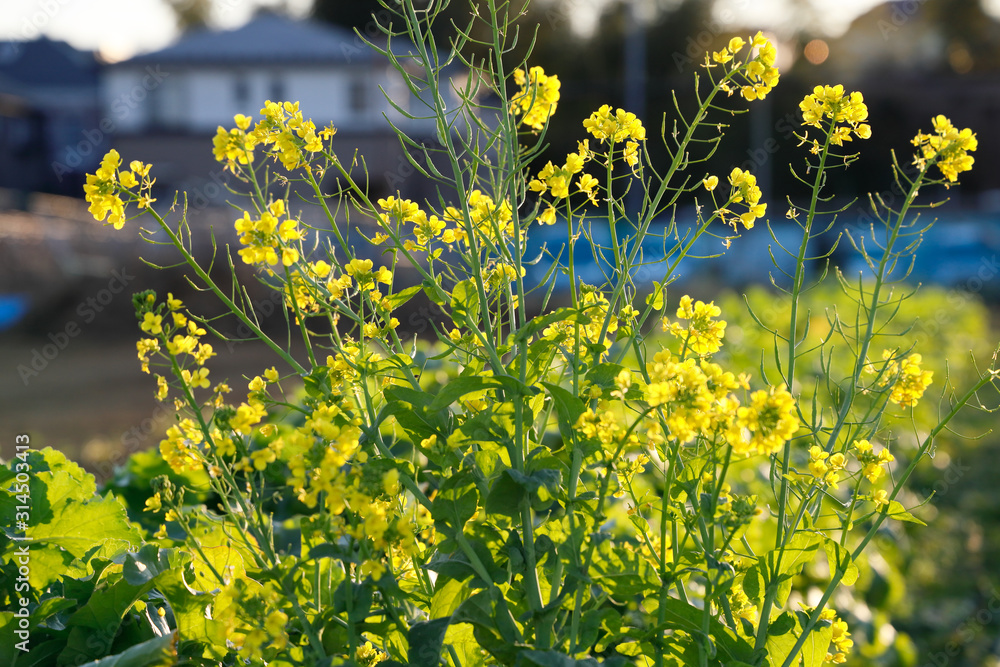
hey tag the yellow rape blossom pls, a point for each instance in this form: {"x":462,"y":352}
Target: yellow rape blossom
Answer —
{"x":703,"y":333}
{"x":908,"y":380}
{"x":948,"y":148}
{"x":758,"y":73}
{"x":615,"y":127}
{"x":537,"y":97}
{"x":766,"y":424}
{"x":152,"y":323}
{"x":101,"y":191}
{"x":840,"y":642}
{"x":846,"y":112}
{"x":745,"y":191}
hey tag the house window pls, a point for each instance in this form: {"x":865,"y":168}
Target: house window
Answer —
{"x":277,"y":89}
{"x":241,"y":91}
{"x":359,"y":95}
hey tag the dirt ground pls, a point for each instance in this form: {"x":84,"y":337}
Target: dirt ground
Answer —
{"x":90,"y":398}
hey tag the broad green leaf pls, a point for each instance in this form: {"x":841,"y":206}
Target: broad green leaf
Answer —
{"x":156,"y":652}
{"x":569,"y":407}
{"x":80,"y":526}
{"x":399,"y":298}
{"x":784,"y":632}
{"x":425,"y":641}
{"x":512,"y":486}
{"x":456,"y":502}
{"x":683,"y":616}
{"x":69,"y":525}
{"x":781,"y":637}
{"x":622,"y":573}
{"x":470,"y":384}
{"x":603,"y":375}
{"x":94,"y":626}
{"x":550,"y":658}
{"x":465,"y":302}
{"x":839,"y":558}
{"x":778,"y":567}
{"x":448,"y":597}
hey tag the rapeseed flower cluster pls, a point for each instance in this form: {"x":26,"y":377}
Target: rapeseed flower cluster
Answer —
{"x":744,"y":190}
{"x":872,"y":464}
{"x":617,"y":127}
{"x":104,"y":187}
{"x":824,"y":467}
{"x":703,"y":333}
{"x":847,"y":112}
{"x":741,"y":605}
{"x":759,"y":74}
{"x":267,"y":236}
{"x":948,"y":148}
{"x":595,"y":304}
{"x":765,"y":424}
{"x":841,"y":642}
{"x":557,"y":181}
{"x":285,"y":134}
{"x":492,"y":220}
{"x":537,"y":97}
{"x":907,"y":379}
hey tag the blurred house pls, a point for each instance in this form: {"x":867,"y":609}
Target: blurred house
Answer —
{"x":166,"y":105}
{"x":48,"y":99}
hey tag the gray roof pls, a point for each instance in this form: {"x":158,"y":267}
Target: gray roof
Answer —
{"x":44,"y":62}
{"x":268,"y":38}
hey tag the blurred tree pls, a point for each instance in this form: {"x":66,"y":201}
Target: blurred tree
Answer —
{"x":191,"y":13}
{"x":971,"y":36}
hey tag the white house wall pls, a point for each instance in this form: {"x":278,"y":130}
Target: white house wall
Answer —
{"x":199,"y":99}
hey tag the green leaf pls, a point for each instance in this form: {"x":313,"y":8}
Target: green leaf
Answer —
{"x":425,"y":641}
{"x":839,"y":559}
{"x":156,"y":652}
{"x":569,"y":407}
{"x":465,"y":302}
{"x":94,"y":626}
{"x":541,"y":323}
{"x":69,"y":525}
{"x":785,"y":630}
{"x":456,"y":502}
{"x":448,"y":597}
{"x":603,"y":375}
{"x":399,"y":298}
{"x":78,"y":528}
{"x":898,"y":512}
{"x":469,"y":384}
{"x":317,"y":383}
{"x":681,"y":615}
{"x":434,"y":292}
{"x":492,"y":621}
{"x":557,"y":659}
{"x":778,"y":567}
{"x":460,"y":387}
{"x":622,"y":573}
{"x":511,"y":487}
